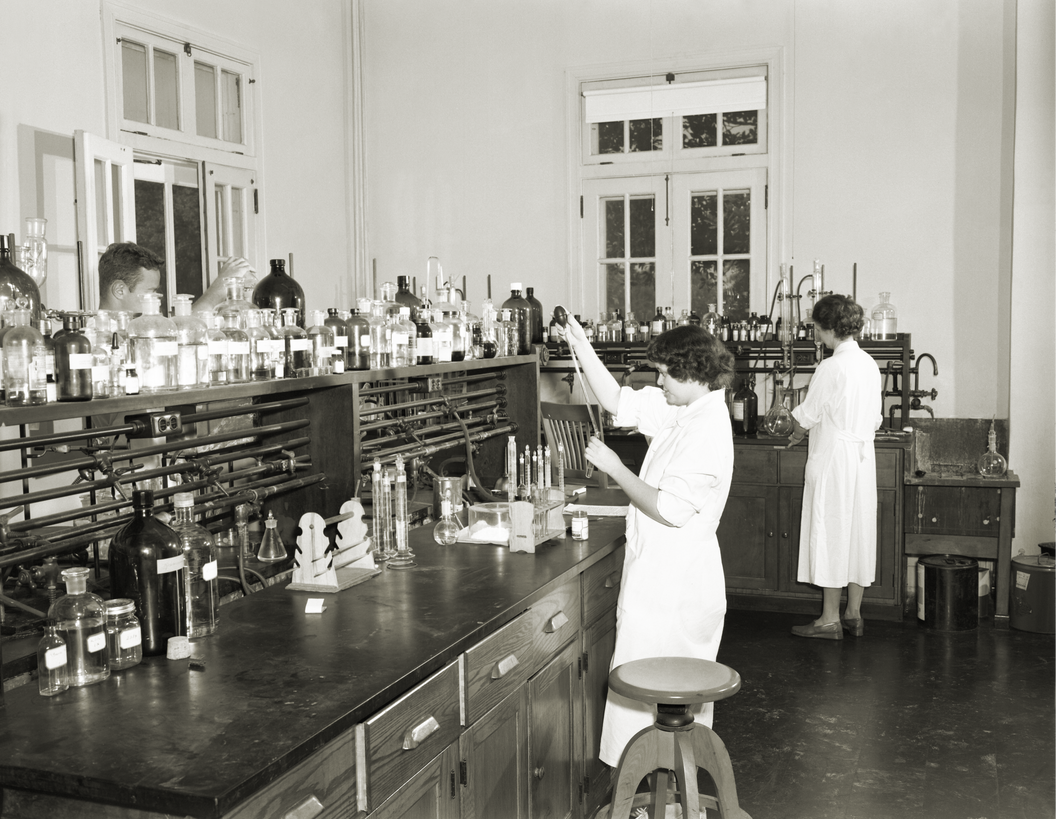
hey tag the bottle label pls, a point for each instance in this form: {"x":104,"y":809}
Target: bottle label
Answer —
{"x":218,"y":347}
{"x":209,"y":571}
{"x":130,"y":637}
{"x":340,"y":341}
{"x":300,"y":344}
{"x":580,"y":527}
{"x":326,"y":352}
{"x":165,"y":348}
{"x":171,"y":564}
{"x":238,"y":348}
{"x":738,"y":410}
{"x":201,"y":352}
{"x":96,"y":642}
{"x":399,"y":338}
{"x":339,"y":366}
{"x":81,"y":361}
{"x":425,"y":347}
{"x":56,"y":657}
{"x":101,"y":373}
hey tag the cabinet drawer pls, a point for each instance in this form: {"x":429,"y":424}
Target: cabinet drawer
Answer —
{"x":601,"y":586}
{"x":555,"y":621}
{"x":888,"y":474}
{"x":398,"y":741}
{"x":793,"y":464}
{"x":321,"y":787}
{"x":755,"y":465}
{"x":497,"y":665}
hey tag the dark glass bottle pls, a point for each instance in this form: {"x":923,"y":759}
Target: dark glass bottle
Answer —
{"x":358,"y":342}
{"x":536,"y":334}
{"x":425,"y":337}
{"x":521,"y":315}
{"x":73,"y":361}
{"x":148,"y":566}
{"x":340,"y":329}
{"x":745,"y":408}
{"x":404,"y":296}
{"x":17,"y":288}
{"x":278,"y":291}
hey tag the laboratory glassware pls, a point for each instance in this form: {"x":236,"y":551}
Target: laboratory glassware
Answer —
{"x":404,"y":557}
{"x":192,"y":343}
{"x":521,"y":316}
{"x":278,"y":291}
{"x":272,"y":549}
{"x":79,"y":620}
{"x":745,"y":408}
{"x":52,"y":662}
{"x":884,"y":319}
{"x":153,"y":346}
{"x":124,"y":638}
{"x":778,"y":421}
{"x":25,"y":362}
{"x":445,"y":533}
{"x":991,"y":463}
{"x":16,"y":284}
{"x":199,"y":548}
{"x":35,"y":250}
{"x":73,"y":361}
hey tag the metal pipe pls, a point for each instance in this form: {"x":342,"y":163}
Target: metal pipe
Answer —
{"x":438,"y":445}
{"x":487,"y":405}
{"x":406,"y":386}
{"x":440,"y":428}
{"x":231,"y":412}
{"x":439,"y":399}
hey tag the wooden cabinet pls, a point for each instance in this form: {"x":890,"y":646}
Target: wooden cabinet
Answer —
{"x":431,"y":794}
{"x":554,"y":720}
{"x":494,"y":761}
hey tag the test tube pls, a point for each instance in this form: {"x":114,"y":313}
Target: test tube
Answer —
{"x":548,"y":473}
{"x":561,"y":468}
{"x":511,"y":469}
{"x":381,"y":524}
{"x":402,"y":558}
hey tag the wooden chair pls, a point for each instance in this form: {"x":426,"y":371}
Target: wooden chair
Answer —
{"x":570,"y":425}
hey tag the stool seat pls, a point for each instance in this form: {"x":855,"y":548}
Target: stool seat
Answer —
{"x":674,"y":680}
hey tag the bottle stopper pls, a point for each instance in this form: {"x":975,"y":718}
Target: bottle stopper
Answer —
{"x":178,"y":648}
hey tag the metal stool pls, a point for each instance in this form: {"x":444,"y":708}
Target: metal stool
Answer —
{"x":675,"y":742}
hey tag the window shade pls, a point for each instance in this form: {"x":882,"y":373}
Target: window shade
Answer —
{"x":675,"y":99}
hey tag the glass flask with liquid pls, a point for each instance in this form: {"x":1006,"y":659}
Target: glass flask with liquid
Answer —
{"x":446,"y":530}
{"x":52,"y":663}
{"x":153,"y":346}
{"x":81,"y":623}
{"x":883,"y":322}
{"x":778,"y":421}
{"x":992,"y":463}
{"x":199,"y":549}
{"x":25,"y":362}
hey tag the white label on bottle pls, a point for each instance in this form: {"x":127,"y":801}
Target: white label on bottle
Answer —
{"x":326,"y":352}
{"x":201,"y":351}
{"x":270,"y":345}
{"x":580,"y":527}
{"x":339,"y":366}
{"x":238,"y":348}
{"x":81,"y":361}
{"x":425,"y":347}
{"x":218,"y":347}
{"x":130,"y":637}
{"x":340,"y":341}
{"x":300,"y":344}
{"x":101,"y":373}
{"x":171,"y":564}
{"x":55,"y":657}
{"x":365,"y":341}
{"x":280,"y":369}
{"x":738,"y":410}
{"x":163,"y":348}
{"x":209,"y":571}
{"x":399,"y":338}
{"x":96,"y":642}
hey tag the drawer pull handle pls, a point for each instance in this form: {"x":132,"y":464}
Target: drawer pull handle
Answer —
{"x":306,"y":810}
{"x":612,"y":581}
{"x":419,"y":733}
{"x":555,"y":623}
{"x":504,"y":667}
{"x":539,"y":772}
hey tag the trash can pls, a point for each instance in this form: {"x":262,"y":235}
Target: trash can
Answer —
{"x":948,"y":592}
{"x":1033,"y":594}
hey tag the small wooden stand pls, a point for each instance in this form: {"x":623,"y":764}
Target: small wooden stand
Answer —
{"x":524,"y":514}
{"x":325,"y":569}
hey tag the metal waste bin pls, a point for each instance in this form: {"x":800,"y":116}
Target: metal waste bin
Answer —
{"x":1033,"y":594}
{"x":948,"y":592}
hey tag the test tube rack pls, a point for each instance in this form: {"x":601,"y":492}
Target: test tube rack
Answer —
{"x":535,"y":522}
{"x":324,"y":568}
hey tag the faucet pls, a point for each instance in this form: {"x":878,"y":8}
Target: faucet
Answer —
{"x":916,"y":393}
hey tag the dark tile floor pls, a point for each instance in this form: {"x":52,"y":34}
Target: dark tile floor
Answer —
{"x":903,"y":722}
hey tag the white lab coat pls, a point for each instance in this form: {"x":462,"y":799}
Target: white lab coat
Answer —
{"x":842,"y":410}
{"x":673,"y":596}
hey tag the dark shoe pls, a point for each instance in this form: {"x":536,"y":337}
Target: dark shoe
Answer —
{"x":856,"y":627}
{"x":829,"y":631}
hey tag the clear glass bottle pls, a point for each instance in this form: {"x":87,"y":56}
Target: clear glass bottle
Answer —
{"x":147,"y":565}
{"x":475,"y":329}
{"x":424,"y":338}
{"x":261,"y":361}
{"x":153,"y":347}
{"x":443,"y":337}
{"x":73,"y":361}
{"x":446,"y":530}
{"x":278,"y":291}
{"x":199,"y":548}
{"x":234,"y":299}
{"x":992,"y":464}
{"x":192,"y":345}
{"x":358,"y":341}
{"x":745,"y":408}
{"x":683,"y":319}
{"x":380,"y":337}
{"x":510,"y":333}
{"x":100,"y":339}
{"x":297,"y":349}
{"x":458,"y":335}
{"x":521,"y":315}
{"x":712,"y":321}
{"x":79,"y":620}
{"x":322,"y":339}
{"x":219,"y":360}
{"x":52,"y":663}
{"x":51,"y":388}
{"x":656,"y":327}
{"x":404,"y":340}
{"x":25,"y":362}
{"x":630,"y":329}
{"x":237,"y":346}
{"x":884,"y":319}
{"x":489,"y":344}
{"x":339,"y":327}
{"x":778,"y":421}
{"x":271,"y":321}
{"x":35,"y":250}
{"x":124,"y":638}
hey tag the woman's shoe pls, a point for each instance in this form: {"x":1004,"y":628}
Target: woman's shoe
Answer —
{"x":855,"y":627}
{"x":829,"y":631}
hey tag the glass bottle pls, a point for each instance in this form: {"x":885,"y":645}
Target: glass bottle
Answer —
{"x":234,"y":299}
{"x":322,"y":340}
{"x":147,"y":565}
{"x":443,"y":337}
{"x":192,"y":345}
{"x":712,"y":321}
{"x":237,"y":346}
{"x":630,"y":329}
{"x":489,"y":345}
{"x":339,"y":327}
{"x":458,"y":335}
{"x":16,"y":284}
{"x":25,"y":362}
{"x":656,"y":327}
{"x":536,"y":326}
{"x":404,"y":340}
{"x":424,"y":332}
{"x":380,"y":335}
{"x":645,"y":330}
{"x":991,"y":463}
{"x":778,"y":421}
{"x":52,"y":663}
{"x":884,"y":319}
{"x":199,"y":548}
{"x":271,"y":321}
{"x":261,"y":361}
{"x":297,"y":349}
{"x":50,"y":386}
{"x":99,"y":336}
{"x":35,"y":250}
{"x":521,"y":315}
{"x":216,"y":344}
{"x":446,"y":530}
{"x":79,"y":621}
{"x":124,"y":638}
{"x":278,"y":291}
{"x":404,"y":296}
{"x":475,"y":331}
{"x":73,"y":361}
{"x":745,"y":408}
{"x":753,"y":328}
{"x":511,"y":333}
{"x":358,"y":341}
{"x":153,"y":347}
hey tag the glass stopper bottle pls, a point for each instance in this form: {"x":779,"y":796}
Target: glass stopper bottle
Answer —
{"x":339,"y":327}
{"x":153,"y":347}
{"x":404,"y":339}
{"x":404,"y":296}
{"x":745,"y":408}
{"x":521,"y":314}
{"x":124,"y":638}
{"x":712,"y":321}
{"x":192,"y":344}
{"x":446,"y":530}
{"x":358,"y":341}
{"x":656,"y":327}
{"x":261,"y":361}
{"x":52,"y":662}
{"x":234,"y":299}
{"x":278,"y":291}
{"x":147,"y":565}
{"x":79,"y":620}
{"x":237,"y":346}
{"x":380,"y":336}
{"x":199,"y":548}
{"x":296,"y":346}
{"x":443,"y":337}
{"x":50,"y":386}
{"x":219,"y":360}
{"x":25,"y":362}
{"x":322,"y":339}
{"x":884,"y":319}
{"x":424,"y":334}
{"x":73,"y":361}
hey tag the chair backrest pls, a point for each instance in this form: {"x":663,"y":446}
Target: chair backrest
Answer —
{"x":570,"y":424}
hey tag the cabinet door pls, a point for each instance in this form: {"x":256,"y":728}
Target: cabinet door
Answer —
{"x":747,"y":537}
{"x":554,"y":703}
{"x":431,"y":794}
{"x":494,"y":753}
{"x":599,"y":643}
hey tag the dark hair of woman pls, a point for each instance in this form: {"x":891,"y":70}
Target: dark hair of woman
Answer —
{"x":691,"y":353}
{"x":841,"y":314}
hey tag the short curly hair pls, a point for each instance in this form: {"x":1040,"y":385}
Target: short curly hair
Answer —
{"x":123,"y":261}
{"x":691,"y":353}
{"x":840,"y":314}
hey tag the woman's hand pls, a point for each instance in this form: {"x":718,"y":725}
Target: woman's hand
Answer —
{"x":572,"y":332}
{"x":602,"y":457}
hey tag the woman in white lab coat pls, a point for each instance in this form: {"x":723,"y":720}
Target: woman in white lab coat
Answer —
{"x":842,"y":411}
{"x":673,"y":596}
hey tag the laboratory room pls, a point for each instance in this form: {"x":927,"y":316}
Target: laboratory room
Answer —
{"x":493,"y":410}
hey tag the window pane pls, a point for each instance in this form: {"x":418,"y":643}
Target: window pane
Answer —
{"x":736,"y":222}
{"x":187,"y":233}
{"x":237,"y":220}
{"x":231,"y":91}
{"x":614,"y":286}
{"x":205,"y":99}
{"x":740,"y":128}
{"x":703,"y":224}
{"x":150,"y":226}
{"x":703,"y":286}
{"x":699,"y":131}
{"x":646,"y":135}
{"x":102,"y":237}
{"x":166,"y":95}
{"x":613,"y":240}
{"x":218,"y":216}
{"x":643,"y":227}
{"x":643,"y":290}
{"x":609,"y":137}
{"x":735,"y":288}
{"x":134,"y":80}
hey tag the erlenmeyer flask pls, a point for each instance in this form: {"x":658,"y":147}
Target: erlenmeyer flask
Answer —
{"x":778,"y":420}
{"x":271,"y":549}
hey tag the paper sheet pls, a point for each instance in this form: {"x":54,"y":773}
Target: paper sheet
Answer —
{"x":599,"y":511}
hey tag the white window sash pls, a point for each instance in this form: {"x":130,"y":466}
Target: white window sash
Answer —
{"x":675,"y":99}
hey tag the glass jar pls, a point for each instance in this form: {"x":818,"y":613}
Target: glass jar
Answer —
{"x":25,"y":362}
{"x":884,"y":319}
{"x":199,"y":547}
{"x":580,"y":524}
{"x":192,"y":345}
{"x":521,"y":316}
{"x":79,"y":621}
{"x":297,"y":355}
{"x":52,"y":663}
{"x":153,"y":347}
{"x":124,"y":638}
{"x":279,"y":291}
{"x":261,"y":365}
{"x":219,"y":360}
